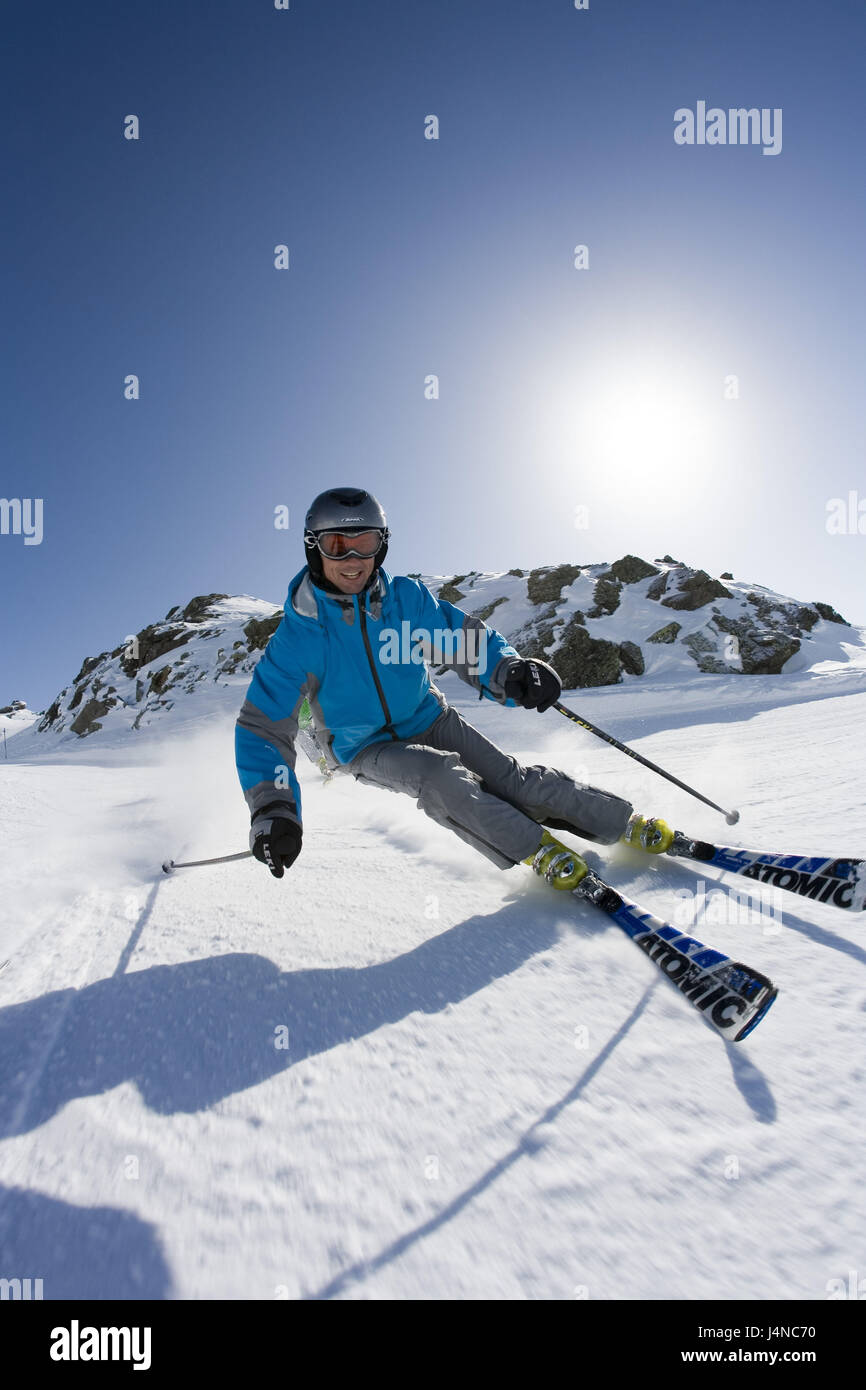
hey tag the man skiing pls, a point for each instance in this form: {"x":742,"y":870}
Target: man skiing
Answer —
{"x":379,"y":717}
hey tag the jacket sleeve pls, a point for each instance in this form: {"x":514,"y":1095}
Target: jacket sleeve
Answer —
{"x":266,"y":730}
{"x":479,"y":654}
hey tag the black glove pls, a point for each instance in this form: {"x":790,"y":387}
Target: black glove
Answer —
{"x":275,"y":841}
{"x":533,"y":684}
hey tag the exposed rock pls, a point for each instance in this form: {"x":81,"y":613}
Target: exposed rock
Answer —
{"x":546,"y":585}
{"x":152,"y":643}
{"x":535,"y":643}
{"x":806,"y":617}
{"x":582,"y":661}
{"x":518,"y":574}
{"x":196,"y":609}
{"x":484,"y":613}
{"x":705,"y":653}
{"x":632,"y":568}
{"x":666,"y":634}
{"x":727,"y":575}
{"x":159,"y":680}
{"x":450,"y":592}
{"x":535,"y":637}
{"x":696,"y":589}
{"x":89,"y":664}
{"x":85,"y":723}
{"x":830,"y":615}
{"x":791,"y":618}
{"x":632,"y":658}
{"x":605,"y":597}
{"x":761,"y":652}
{"x":259,"y":631}
{"x":51,"y":714}
{"x":658,"y":586}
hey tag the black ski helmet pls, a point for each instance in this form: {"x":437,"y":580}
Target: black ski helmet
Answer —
{"x":345,"y":509}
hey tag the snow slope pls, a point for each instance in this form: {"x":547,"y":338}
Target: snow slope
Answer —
{"x":487,"y":1091}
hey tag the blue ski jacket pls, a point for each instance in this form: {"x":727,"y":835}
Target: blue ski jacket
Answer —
{"x":361,"y":661}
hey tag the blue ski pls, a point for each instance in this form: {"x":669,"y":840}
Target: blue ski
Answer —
{"x":837,"y":882}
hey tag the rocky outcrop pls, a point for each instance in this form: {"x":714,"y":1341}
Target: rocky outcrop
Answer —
{"x":605,"y":597}
{"x":196,"y":610}
{"x":631,"y":569}
{"x":489,"y":608}
{"x":95,"y":692}
{"x":450,"y":592}
{"x":694,"y":588}
{"x":259,"y":631}
{"x":759,"y":651}
{"x":754,"y":650}
{"x":536,"y":637}
{"x":632,"y":658}
{"x":87,"y":721}
{"x":830,"y":615}
{"x":720,"y":630}
{"x":546,"y":585}
{"x":582,"y":661}
{"x":666,"y":634}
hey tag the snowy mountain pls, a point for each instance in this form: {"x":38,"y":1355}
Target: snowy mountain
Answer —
{"x":597,"y":624}
{"x":16,"y":717}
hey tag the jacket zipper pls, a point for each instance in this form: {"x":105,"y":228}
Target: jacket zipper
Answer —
{"x":389,"y":727}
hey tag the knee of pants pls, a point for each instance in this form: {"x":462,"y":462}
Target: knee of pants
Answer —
{"x":610,"y":816}
{"x":447,"y":780}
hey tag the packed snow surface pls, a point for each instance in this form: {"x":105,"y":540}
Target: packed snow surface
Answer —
{"x":402,"y":1073}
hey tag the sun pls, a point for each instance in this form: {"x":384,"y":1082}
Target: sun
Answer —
{"x":631,"y":428}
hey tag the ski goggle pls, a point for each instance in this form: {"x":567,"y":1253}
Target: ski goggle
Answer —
{"x":335,"y":544}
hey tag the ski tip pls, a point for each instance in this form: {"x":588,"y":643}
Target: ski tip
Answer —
{"x":732,"y":817}
{"x":167,"y":866}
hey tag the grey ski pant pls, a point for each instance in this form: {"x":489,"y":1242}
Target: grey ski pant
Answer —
{"x":463,"y":781}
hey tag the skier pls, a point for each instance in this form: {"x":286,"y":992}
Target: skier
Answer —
{"x":378,"y":716}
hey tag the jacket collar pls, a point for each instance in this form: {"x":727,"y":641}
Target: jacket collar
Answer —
{"x":305,"y":596}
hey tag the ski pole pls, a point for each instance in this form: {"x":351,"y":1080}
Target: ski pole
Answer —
{"x":169,"y":865}
{"x":730,"y":816}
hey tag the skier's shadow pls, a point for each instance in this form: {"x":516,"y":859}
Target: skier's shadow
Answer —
{"x":79,"y":1252}
{"x":189,"y":1035}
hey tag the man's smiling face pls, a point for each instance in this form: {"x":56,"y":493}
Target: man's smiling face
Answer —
{"x":350,"y":573}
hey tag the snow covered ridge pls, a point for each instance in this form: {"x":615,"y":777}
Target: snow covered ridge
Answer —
{"x":15,"y":717}
{"x":601,"y":624}
{"x":597,"y":624}
{"x":213,"y":642}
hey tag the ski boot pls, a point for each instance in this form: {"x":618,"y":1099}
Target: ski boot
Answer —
{"x":556,"y":863}
{"x":649,"y":833}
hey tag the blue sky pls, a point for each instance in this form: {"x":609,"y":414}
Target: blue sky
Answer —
{"x":560,"y":389}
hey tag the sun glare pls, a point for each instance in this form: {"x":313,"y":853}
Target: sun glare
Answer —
{"x":630,"y":428}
